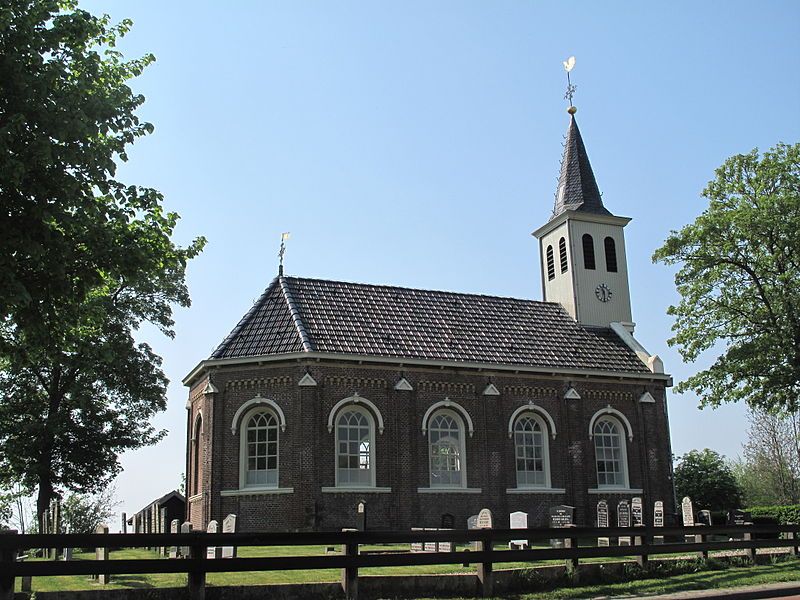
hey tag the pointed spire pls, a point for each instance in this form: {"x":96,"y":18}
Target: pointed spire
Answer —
{"x":577,"y":188}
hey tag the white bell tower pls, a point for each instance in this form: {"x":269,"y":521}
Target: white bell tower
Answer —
{"x":582,"y":246}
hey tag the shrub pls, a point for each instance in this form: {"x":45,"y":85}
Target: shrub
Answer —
{"x":783,"y":515}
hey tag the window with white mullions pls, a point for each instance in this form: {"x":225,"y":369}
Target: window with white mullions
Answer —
{"x":609,"y":447}
{"x":531,"y":452}
{"x":261,"y":445}
{"x":445,"y":441}
{"x":354,"y":448}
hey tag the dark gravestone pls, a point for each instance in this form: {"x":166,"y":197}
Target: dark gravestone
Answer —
{"x":738,"y":517}
{"x":602,"y":521}
{"x":561,"y":516}
{"x":448,"y":521}
{"x":637,"y":512}
{"x":624,"y":520}
{"x":704,"y":517}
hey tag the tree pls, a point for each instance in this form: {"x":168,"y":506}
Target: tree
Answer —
{"x":739,"y":282}
{"x":707,"y":480}
{"x":85,"y":259}
{"x":769,"y":472}
{"x":82,"y":513}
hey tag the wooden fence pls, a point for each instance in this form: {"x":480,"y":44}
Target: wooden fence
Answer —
{"x":578,"y":543}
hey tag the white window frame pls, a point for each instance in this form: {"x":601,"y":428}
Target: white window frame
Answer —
{"x":459,"y":421}
{"x":243,"y":447}
{"x":334,"y":421}
{"x":530,"y":414}
{"x":620,"y":428}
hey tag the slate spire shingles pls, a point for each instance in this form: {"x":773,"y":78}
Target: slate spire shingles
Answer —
{"x":303,"y":315}
{"x":577,"y":187}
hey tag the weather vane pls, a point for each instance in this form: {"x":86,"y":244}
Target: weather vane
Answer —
{"x":282,"y":251}
{"x":569,"y":64}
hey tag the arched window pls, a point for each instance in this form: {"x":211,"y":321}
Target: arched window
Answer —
{"x":446,"y":450}
{"x":610,"y":454}
{"x":196,"y":455}
{"x":551,"y":266}
{"x":531,"y":451}
{"x":588,"y":252}
{"x":562,"y":253}
{"x":260,"y":450}
{"x":355,"y":448}
{"x":611,"y":254}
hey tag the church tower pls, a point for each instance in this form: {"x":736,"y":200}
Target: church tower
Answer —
{"x":582,"y":246}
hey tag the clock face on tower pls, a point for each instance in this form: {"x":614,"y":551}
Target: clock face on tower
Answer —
{"x":603,"y":292}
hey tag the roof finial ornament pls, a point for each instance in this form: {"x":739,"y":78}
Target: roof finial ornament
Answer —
{"x":569,"y":64}
{"x":281,"y":252}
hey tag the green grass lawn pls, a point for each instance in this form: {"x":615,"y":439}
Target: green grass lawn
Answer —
{"x":749,"y":575}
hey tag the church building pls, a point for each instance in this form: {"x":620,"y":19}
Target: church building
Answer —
{"x":424,"y":403}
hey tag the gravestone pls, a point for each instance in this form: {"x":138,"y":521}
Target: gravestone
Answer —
{"x":704,"y":517}
{"x":658,"y":520}
{"x":738,"y":517}
{"x":229,"y":526}
{"x":67,"y":554}
{"x":688,"y":517}
{"x":162,"y":527}
{"x":430,"y":546}
{"x":518,"y":520}
{"x":448,"y":521}
{"x":624,"y":520}
{"x":185,"y":528}
{"x":637,"y":512}
{"x":124,"y":528}
{"x":561,"y":516}
{"x":602,"y":521}
{"x":361,"y":516}
{"x":102,"y":554}
{"x":484,"y":519}
{"x":213,"y":552}
{"x":472,"y":522}
{"x":174,"y":528}
{"x":445,"y":547}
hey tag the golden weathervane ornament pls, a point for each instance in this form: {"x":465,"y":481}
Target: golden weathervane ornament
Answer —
{"x":569,"y":64}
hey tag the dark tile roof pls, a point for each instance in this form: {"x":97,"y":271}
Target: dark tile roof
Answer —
{"x":305,"y":315}
{"x":577,"y":188}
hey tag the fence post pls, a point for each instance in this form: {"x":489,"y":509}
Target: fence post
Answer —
{"x":350,"y":574}
{"x":701,"y":539}
{"x":7,"y":556}
{"x":102,"y":554}
{"x":642,"y":558}
{"x":792,"y":535}
{"x":197,"y":570}
{"x":485,"y":567}
{"x":571,"y":563}
{"x":751,"y":552}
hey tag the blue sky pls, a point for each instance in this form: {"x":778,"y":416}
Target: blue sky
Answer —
{"x":418,"y":144}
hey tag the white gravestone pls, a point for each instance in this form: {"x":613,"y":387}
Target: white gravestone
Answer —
{"x":185,"y":528}
{"x":637,"y":511}
{"x":519,"y":520}
{"x":658,"y":520}
{"x":484,"y":519}
{"x":213,"y":552}
{"x":688,"y":517}
{"x":229,"y":526}
{"x":174,"y":528}
{"x":624,"y":520}
{"x":602,"y":521}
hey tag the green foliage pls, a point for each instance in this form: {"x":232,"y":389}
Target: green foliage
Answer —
{"x":707,"y":480}
{"x":769,"y":472}
{"x":782,"y":514}
{"x":82,"y":513}
{"x":84,"y":258}
{"x":739,"y":282}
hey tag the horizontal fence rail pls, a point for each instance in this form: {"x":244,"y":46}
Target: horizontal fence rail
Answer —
{"x":676,"y":540}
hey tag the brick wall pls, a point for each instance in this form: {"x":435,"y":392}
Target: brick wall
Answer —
{"x":307,"y":449}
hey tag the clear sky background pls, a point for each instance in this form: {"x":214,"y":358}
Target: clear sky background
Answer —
{"x":418,"y":144}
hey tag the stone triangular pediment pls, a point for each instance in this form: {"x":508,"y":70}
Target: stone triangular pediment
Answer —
{"x":572,"y":394}
{"x":403,"y":385}
{"x":647,"y":398}
{"x":307,"y":381}
{"x":491,"y":390}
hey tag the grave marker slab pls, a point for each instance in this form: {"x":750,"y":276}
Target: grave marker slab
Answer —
{"x":624,"y":520}
{"x":658,"y":520}
{"x":518,"y":520}
{"x":361,"y":516}
{"x":229,"y":526}
{"x":561,"y":516}
{"x":637,"y":512}
{"x":174,"y":528}
{"x":738,"y":517}
{"x":687,"y":512}
{"x":602,"y":521}
{"x":102,"y":554}
{"x":213,"y":552}
{"x":185,"y":528}
{"x":484,"y":519}
{"x":704,"y":517}
{"x":448,"y":521}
